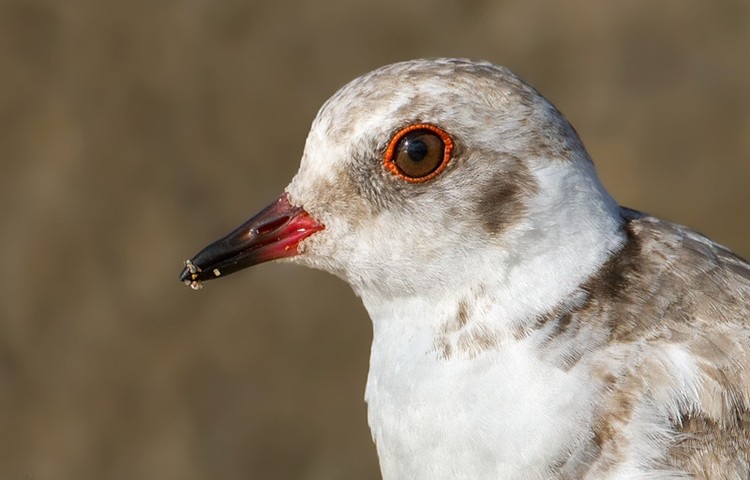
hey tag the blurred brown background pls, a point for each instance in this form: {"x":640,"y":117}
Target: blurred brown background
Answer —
{"x":133,"y":133}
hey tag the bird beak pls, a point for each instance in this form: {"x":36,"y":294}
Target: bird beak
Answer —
{"x":275,"y":232}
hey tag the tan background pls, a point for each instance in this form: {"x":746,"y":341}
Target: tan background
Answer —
{"x":132,"y":133}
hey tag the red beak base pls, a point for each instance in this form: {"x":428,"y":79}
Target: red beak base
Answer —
{"x":274,"y":233}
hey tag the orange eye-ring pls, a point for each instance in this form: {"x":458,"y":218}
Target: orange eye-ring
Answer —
{"x":419,"y":152}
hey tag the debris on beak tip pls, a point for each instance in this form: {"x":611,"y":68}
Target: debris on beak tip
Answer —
{"x":195,"y":284}
{"x":193,"y":281}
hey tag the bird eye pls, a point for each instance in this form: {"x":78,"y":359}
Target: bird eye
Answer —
{"x":418,"y":152}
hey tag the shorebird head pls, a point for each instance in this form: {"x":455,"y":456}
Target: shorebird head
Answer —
{"x":423,"y":174}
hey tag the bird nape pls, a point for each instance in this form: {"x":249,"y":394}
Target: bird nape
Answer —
{"x":525,"y":325}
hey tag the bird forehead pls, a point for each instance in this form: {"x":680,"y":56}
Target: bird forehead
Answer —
{"x":428,"y":91}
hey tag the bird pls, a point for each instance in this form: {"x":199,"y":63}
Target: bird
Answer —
{"x":525,"y":325}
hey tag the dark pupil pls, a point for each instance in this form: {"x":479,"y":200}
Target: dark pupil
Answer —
{"x":419,"y":153}
{"x":416,"y":149}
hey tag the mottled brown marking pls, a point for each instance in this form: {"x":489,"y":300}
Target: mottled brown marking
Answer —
{"x":712,"y":451}
{"x":564,"y":321}
{"x":445,"y":349}
{"x":524,"y":329}
{"x":454,"y":324}
{"x":666,"y":286}
{"x":622,"y":267}
{"x":598,"y":454}
{"x":463,"y":313}
{"x":460,"y":335}
{"x":616,"y":414}
{"x":502,"y":201}
{"x":476,"y":340}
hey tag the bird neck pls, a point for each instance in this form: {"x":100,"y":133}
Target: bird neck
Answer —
{"x":454,"y":382}
{"x":454,"y":392}
{"x":491,"y":292}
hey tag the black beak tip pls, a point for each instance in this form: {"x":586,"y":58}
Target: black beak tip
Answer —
{"x":185,"y":275}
